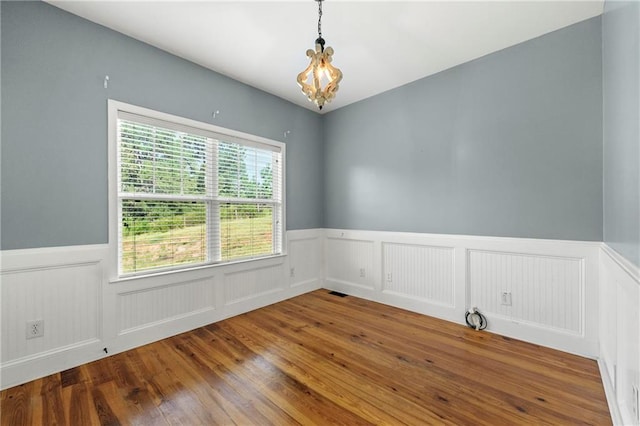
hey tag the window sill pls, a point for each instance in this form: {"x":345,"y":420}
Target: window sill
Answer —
{"x":234,"y":265}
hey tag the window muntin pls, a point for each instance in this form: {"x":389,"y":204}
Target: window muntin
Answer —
{"x":189,"y":196}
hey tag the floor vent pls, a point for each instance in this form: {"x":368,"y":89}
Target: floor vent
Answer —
{"x":337,"y":293}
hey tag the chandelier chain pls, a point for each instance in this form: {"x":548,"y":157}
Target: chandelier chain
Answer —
{"x":319,"y":18}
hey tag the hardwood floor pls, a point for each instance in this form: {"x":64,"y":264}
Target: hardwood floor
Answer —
{"x":321,"y":359}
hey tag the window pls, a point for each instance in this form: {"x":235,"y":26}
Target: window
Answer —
{"x":189,"y":193}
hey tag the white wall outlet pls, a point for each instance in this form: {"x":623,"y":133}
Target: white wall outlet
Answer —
{"x":292,"y":272}
{"x":35,"y":329}
{"x":362,"y":273}
{"x":389,"y":277}
{"x":505,"y":298}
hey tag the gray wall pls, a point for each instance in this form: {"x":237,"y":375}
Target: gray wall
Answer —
{"x":621,"y":123}
{"x":54,"y":123}
{"x":506,"y":145}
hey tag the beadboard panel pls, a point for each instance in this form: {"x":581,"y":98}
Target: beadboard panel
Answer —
{"x":421,"y":272}
{"x":305,"y":260}
{"x":620,"y":335}
{"x":63,"y":286}
{"x":545,"y":291}
{"x":64,"y":293}
{"x":350,"y":261}
{"x":85,"y":314}
{"x":553,"y":284}
{"x":254,"y":282}
{"x":157,"y":304}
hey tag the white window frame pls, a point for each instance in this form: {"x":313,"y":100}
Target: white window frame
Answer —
{"x":114,"y":109}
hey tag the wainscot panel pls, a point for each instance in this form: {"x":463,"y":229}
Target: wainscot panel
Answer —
{"x":350,"y":261}
{"x":145,"y":307}
{"x":305,"y":260}
{"x":253,"y":282}
{"x":62,"y":287}
{"x":620,"y":335}
{"x":420,"y":272}
{"x":86,"y":317}
{"x":541,"y":291}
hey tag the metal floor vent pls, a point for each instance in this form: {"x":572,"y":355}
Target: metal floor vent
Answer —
{"x":337,"y":293}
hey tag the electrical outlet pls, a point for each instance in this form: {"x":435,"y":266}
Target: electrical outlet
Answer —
{"x":505,"y":298}
{"x":35,"y":329}
{"x":362,"y":273}
{"x":389,"y":277}
{"x":292,"y":272}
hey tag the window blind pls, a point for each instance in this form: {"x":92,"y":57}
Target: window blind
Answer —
{"x":188,"y":196}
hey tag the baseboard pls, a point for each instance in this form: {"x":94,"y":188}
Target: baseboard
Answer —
{"x":30,"y":368}
{"x":423,"y":307}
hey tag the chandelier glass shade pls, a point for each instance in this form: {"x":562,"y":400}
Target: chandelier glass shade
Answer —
{"x":320,"y":80}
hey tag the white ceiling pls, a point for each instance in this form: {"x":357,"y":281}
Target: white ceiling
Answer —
{"x":378,"y":45}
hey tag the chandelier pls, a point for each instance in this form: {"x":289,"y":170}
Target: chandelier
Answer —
{"x":319,"y":81}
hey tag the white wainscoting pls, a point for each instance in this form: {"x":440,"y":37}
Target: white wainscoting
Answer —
{"x":141,"y":308}
{"x":620,"y":335}
{"x":422,"y":272}
{"x":579,"y":297}
{"x":63,"y":287}
{"x":84,"y":313}
{"x":252,"y":282}
{"x":350,"y":261}
{"x":553,"y":284}
{"x":306,"y":258}
{"x":546,"y":291}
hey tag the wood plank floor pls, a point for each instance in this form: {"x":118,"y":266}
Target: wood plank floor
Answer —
{"x":321,"y":359}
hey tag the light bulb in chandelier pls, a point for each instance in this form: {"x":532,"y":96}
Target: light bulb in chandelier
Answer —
{"x":324,"y":73}
{"x":320,"y":80}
